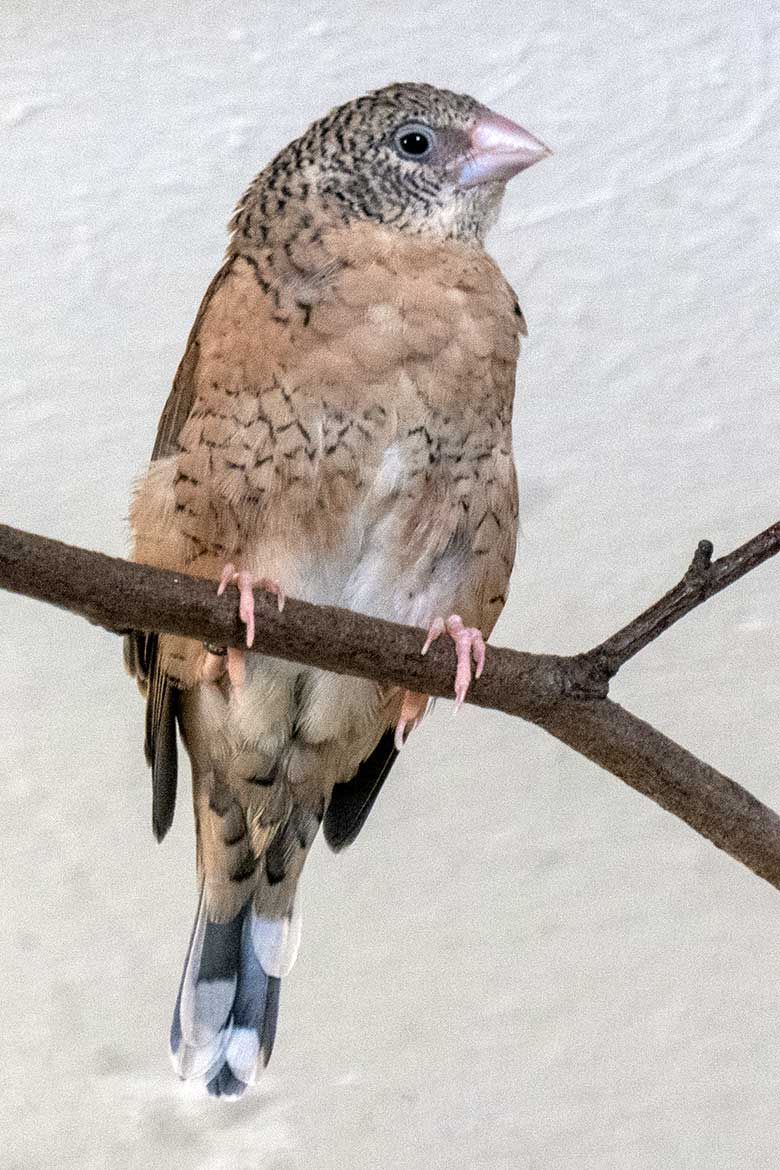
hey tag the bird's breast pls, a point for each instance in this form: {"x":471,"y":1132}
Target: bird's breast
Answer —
{"x":375,"y":409}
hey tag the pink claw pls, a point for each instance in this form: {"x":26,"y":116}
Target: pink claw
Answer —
{"x":399,"y":739}
{"x":412,"y":709}
{"x":435,"y":630}
{"x":228,"y":577}
{"x":246,"y":607}
{"x":468,"y":642}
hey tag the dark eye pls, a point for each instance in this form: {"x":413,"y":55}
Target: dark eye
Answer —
{"x":415,"y":141}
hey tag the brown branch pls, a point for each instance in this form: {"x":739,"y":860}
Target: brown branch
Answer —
{"x":703,"y":578}
{"x":122,"y":596}
{"x":718,"y":808}
{"x":565,"y":696}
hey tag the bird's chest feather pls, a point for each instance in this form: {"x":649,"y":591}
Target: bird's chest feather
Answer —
{"x":376,"y":410}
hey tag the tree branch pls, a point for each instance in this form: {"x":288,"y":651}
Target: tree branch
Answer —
{"x":565,"y":696}
{"x":121,"y":596}
{"x":703,"y":578}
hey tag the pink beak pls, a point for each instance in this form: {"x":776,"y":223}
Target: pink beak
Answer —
{"x":499,"y":150}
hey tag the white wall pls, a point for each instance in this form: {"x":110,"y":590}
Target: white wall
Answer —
{"x":521,"y":963}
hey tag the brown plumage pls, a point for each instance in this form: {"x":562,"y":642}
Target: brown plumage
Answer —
{"x":339,"y":426}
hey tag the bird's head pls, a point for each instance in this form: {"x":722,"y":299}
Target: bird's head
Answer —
{"x":410,"y":156}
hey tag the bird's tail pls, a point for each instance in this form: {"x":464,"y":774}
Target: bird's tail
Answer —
{"x":224,"y":1022}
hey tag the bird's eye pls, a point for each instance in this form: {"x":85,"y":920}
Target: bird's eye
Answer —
{"x":415,"y":141}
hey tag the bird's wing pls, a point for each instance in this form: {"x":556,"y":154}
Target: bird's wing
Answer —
{"x":182,"y":394}
{"x":351,"y":803}
{"x":141,"y":649}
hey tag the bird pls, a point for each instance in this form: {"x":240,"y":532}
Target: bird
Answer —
{"x":339,"y":430}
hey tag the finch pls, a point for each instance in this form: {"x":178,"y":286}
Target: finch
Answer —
{"x":339,"y":430}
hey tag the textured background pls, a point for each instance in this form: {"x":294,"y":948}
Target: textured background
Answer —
{"x":521,"y":963}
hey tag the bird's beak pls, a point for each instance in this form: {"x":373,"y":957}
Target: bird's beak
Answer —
{"x":498,"y":150}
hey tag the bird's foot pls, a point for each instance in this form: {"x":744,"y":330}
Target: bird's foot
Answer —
{"x":413,"y":707}
{"x":468,"y":643}
{"x":246,"y":583}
